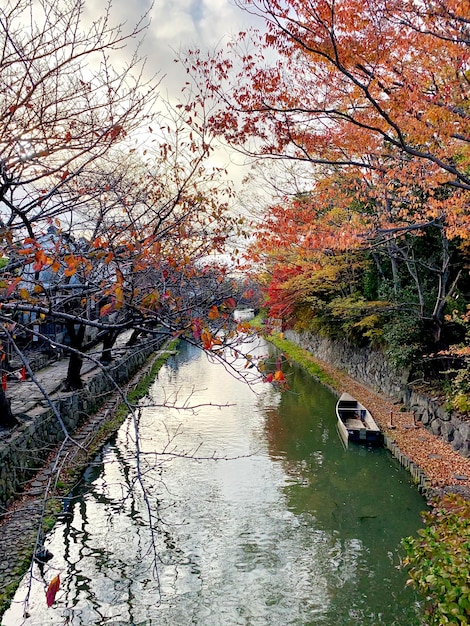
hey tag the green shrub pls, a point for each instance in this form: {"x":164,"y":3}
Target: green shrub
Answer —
{"x":439,"y":562}
{"x":404,"y":339}
{"x":302,"y":357}
{"x":458,"y":389}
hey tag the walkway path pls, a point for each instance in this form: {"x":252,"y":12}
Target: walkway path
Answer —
{"x":26,"y":396}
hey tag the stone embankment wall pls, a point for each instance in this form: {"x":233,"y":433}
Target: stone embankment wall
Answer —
{"x":371,"y":368}
{"x":26,"y":449}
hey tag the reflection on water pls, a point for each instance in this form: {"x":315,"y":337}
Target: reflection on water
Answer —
{"x":289,"y":529}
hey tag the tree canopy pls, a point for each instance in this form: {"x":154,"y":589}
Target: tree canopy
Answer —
{"x":373,"y":97}
{"x":109,"y":216}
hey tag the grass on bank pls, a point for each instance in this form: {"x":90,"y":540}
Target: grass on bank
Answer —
{"x":293,"y":352}
{"x":139,"y":391}
{"x":303,"y":358}
{"x":70,"y":476}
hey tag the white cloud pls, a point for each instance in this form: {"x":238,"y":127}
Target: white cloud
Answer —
{"x":176,"y":25}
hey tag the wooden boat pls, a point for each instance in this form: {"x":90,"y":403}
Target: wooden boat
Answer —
{"x":355,"y":423}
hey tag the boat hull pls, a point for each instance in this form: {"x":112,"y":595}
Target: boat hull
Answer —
{"x":355,"y":423}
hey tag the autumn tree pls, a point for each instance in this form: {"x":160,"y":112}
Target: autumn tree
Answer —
{"x":107,"y":210}
{"x":111,"y":217}
{"x":364,"y":85}
{"x":62,"y":108}
{"x":313,"y":261}
{"x":329,"y":268}
{"x":376,"y":93}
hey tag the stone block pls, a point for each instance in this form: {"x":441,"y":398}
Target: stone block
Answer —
{"x":465,"y":431}
{"x":447,"y":431}
{"x":426,"y":418}
{"x":442,"y":414}
{"x":465,"y":450}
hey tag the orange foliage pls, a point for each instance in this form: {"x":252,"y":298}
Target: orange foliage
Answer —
{"x":52,"y":590}
{"x":379,"y":88}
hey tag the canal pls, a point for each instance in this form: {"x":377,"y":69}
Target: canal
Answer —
{"x":244,"y":510}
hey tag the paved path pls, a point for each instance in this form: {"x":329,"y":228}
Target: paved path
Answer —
{"x":27,"y":397}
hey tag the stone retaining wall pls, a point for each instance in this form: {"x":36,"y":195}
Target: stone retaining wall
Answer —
{"x":439,"y":421}
{"x":371,"y":368}
{"x":24,"y":452}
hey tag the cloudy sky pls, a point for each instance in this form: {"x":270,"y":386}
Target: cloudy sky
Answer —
{"x":178,"y":25}
{"x":175,"y":26}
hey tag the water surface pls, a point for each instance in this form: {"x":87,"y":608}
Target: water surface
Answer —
{"x":272,"y":523}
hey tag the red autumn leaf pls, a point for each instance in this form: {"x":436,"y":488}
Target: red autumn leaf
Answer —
{"x":114,"y":132}
{"x":108,"y":308}
{"x":12,"y":286}
{"x":41,"y":259}
{"x":196,"y":328}
{"x":52,"y":589}
{"x":207,"y":340}
{"x":279,"y":376}
{"x":213,"y":313}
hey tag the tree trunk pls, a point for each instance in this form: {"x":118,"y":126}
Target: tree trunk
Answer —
{"x":73,"y":380}
{"x":392,"y":253}
{"x":443,"y":290}
{"x":134,"y":337}
{"x":109,"y":340}
{"x":7,"y":419}
{"x":410,"y":262}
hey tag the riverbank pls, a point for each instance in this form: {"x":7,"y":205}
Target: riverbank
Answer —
{"x":435,"y":466}
{"x":45,"y":497}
